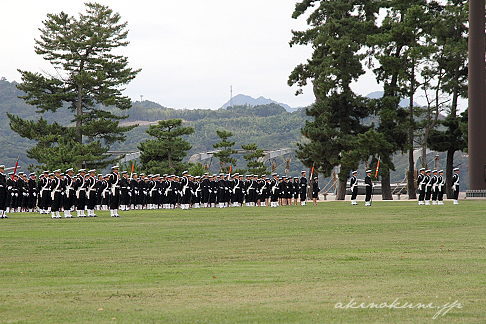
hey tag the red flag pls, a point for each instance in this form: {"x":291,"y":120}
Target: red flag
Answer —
{"x":16,"y":166}
{"x":312,"y":172}
{"x":133,"y":168}
{"x":231,"y":169}
{"x":377,"y":168}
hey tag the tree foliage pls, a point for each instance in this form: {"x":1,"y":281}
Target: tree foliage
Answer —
{"x":165,"y":153}
{"x":337,"y":33}
{"x":224,"y":155}
{"x":450,"y":33}
{"x":254,"y":164}
{"x":88,"y":77}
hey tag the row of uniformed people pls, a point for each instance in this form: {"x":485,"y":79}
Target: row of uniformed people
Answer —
{"x":57,"y":191}
{"x":86,"y":192}
{"x":431,"y":186}
{"x":223,"y":190}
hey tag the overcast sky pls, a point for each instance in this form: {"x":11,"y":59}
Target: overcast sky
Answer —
{"x":190,"y":51}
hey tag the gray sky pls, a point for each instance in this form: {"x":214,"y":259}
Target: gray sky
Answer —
{"x":190,"y":51}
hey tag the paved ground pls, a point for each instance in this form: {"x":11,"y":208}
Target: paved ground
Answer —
{"x":332,"y":197}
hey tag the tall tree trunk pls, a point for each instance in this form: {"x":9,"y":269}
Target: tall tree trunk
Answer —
{"x":79,"y":114}
{"x":451,"y":151}
{"x":411,"y":164}
{"x":169,"y":157}
{"x":424,"y":152}
{"x":449,"y":167}
{"x":341,"y":190}
{"x":386,"y":193}
{"x":309,"y":184}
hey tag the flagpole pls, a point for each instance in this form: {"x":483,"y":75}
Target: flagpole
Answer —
{"x":16,"y":166}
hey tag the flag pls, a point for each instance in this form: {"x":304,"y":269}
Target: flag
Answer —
{"x":377,"y":168}
{"x":312,"y":171}
{"x":231,"y":169}
{"x":16,"y":166}
{"x":133,"y":168}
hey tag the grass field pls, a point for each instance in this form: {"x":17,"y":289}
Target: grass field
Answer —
{"x":312,"y":264}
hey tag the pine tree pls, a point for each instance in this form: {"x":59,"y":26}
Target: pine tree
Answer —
{"x":88,"y":77}
{"x":253,"y":159}
{"x":165,"y":153}
{"x":337,"y":33}
{"x":224,"y":155}
{"x":452,"y":43}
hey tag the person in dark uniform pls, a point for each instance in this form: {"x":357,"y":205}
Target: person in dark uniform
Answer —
{"x":91,"y":193}
{"x":55,"y":188}
{"x":134,"y":191}
{"x":428,"y":186}
{"x":221,"y":191}
{"x":288,"y":190}
{"x":295,"y":191}
{"x":186,"y":191}
{"x":281,"y":190}
{"x":228,"y":190}
{"x":124,"y":187}
{"x":455,"y":185}
{"x":178,"y":191}
{"x":99,"y":191}
{"x":32,"y":184}
{"x":44,"y":194}
{"x":23,"y":193}
{"x":205,"y":187}
{"x":80,"y":187}
{"x":168,"y":192}
{"x":421,"y":186}
{"x":274,"y":184}
{"x":69,"y":193}
{"x":11,"y":189}
{"x":237,"y":191}
{"x":149,"y":184}
{"x":440,"y":188}
{"x":164,"y":183}
{"x":303,"y":188}
{"x":263,"y":190}
{"x":315,"y":190}
{"x":369,"y":188}
{"x":105,"y":192}
{"x":435,"y":192}
{"x":354,"y":188}
{"x":267,"y":193}
{"x":213,"y":193}
{"x":146,"y":198}
{"x":141,"y":191}
{"x":252,"y":190}
{"x":197,"y":192}
{"x":3,"y":192}
{"x":159,"y":199}
{"x":114,"y":185}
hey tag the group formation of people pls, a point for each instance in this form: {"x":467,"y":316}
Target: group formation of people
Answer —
{"x":58,"y":191}
{"x":85,"y":192}
{"x":431,"y":186}
{"x":354,"y":188}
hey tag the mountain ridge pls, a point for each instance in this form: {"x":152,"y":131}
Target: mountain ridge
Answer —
{"x":241,"y":100}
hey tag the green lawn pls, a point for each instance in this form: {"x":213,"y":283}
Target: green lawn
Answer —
{"x":290,"y":264}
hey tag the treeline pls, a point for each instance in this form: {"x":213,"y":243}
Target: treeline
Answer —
{"x":277,"y":130}
{"x":151,"y":111}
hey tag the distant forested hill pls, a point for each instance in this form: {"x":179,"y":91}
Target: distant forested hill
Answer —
{"x":270,"y":126}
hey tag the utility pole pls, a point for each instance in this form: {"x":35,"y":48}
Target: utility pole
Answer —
{"x":231,"y":96}
{"x":476,"y":94}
